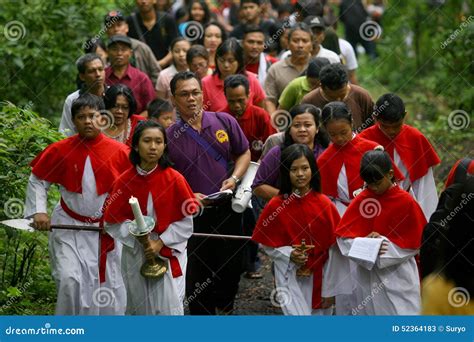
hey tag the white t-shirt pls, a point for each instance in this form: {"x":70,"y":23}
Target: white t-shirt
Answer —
{"x":330,"y":55}
{"x":347,"y":51}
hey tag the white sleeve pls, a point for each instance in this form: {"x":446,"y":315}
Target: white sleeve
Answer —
{"x":66,"y":126}
{"x":336,"y":274}
{"x":120,"y":232}
{"x":36,"y":196}
{"x":281,"y":254}
{"x":349,"y":54}
{"x":394,"y":255}
{"x":177,"y":234}
{"x":426,"y":194}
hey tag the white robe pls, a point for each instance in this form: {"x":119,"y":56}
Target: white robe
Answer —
{"x":75,"y":254}
{"x":423,"y":189}
{"x":392,"y":287}
{"x":295,"y":293}
{"x":162,"y":296}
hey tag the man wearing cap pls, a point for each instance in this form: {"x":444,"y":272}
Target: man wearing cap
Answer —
{"x":142,"y":56}
{"x":120,"y":71}
{"x":91,"y":71}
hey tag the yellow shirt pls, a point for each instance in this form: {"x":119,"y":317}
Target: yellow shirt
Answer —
{"x":441,"y":297}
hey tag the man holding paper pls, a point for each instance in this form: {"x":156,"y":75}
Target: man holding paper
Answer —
{"x":381,"y":234}
{"x":202,"y":145}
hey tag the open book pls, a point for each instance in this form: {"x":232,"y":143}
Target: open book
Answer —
{"x":365,"y":251}
{"x":218,"y":197}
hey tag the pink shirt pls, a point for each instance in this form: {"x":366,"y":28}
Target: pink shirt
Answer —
{"x":214,"y":97}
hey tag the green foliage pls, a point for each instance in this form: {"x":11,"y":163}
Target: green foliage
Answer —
{"x":24,"y":265}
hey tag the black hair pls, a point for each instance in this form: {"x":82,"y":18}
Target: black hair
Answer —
{"x":331,"y":41}
{"x":300,"y":27}
{"x":232,"y":46}
{"x":252,"y":29}
{"x":258,"y":2}
{"x":233,"y":81}
{"x":91,"y":45}
{"x":176,"y":41}
{"x":285,"y":7}
{"x":82,"y":61}
{"x":134,"y":156}
{"x":309,"y":7}
{"x":213,"y":23}
{"x":321,"y":137}
{"x":374,"y":165}
{"x":157,"y":107}
{"x":196,"y":51}
{"x":207,"y":12}
{"x":111,"y":94}
{"x":182,"y":76}
{"x":315,"y":65}
{"x":181,"y":13}
{"x":389,"y":107}
{"x":87,"y":100}
{"x":288,"y":156}
{"x":336,"y":110}
{"x":334,"y":76}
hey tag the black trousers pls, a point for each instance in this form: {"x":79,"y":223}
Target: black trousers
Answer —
{"x":214,"y":265}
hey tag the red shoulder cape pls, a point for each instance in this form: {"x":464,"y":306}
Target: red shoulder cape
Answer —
{"x":134,"y":121}
{"x":414,"y":149}
{"x":394,"y":214}
{"x":63,"y":162}
{"x":285,"y":221}
{"x":331,"y":160}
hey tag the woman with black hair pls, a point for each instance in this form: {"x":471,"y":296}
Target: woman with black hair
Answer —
{"x":386,"y":212}
{"x":304,"y":128}
{"x":164,"y":195}
{"x":230,"y":61}
{"x":299,"y":214}
{"x":120,"y":102}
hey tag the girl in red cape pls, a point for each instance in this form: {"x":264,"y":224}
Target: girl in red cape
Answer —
{"x":391,"y":285}
{"x":164,"y":195}
{"x":299,"y":212}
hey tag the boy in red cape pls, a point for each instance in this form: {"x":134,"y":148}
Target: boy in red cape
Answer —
{"x":84,"y":166}
{"x":163,"y":194}
{"x":299,"y":212}
{"x":384,"y":210}
{"x":408,"y":148}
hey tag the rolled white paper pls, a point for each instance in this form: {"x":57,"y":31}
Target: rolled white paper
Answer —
{"x":133,"y":201}
{"x":242,"y":197}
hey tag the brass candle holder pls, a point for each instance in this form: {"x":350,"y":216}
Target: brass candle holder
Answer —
{"x":303,"y":271}
{"x":154,"y":267}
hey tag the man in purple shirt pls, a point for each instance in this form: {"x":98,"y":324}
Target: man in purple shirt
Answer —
{"x":120,"y":71}
{"x":202,"y":145}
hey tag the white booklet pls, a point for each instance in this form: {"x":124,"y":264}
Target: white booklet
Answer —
{"x":218,"y":197}
{"x":365,"y":251}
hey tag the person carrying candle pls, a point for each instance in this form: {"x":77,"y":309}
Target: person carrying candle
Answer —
{"x":164,"y":195}
{"x":299,"y":212}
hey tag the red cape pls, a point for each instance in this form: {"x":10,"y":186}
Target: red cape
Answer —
{"x":63,"y":162}
{"x":173,"y":199}
{"x":412,"y":146}
{"x":452,"y":172}
{"x":331,"y":161}
{"x":394,"y":214}
{"x":285,"y":222}
{"x":134,"y":121}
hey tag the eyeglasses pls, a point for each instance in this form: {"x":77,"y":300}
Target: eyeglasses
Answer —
{"x":199,"y":66}
{"x":186,"y":95}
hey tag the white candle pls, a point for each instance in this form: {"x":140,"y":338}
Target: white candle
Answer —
{"x":133,"y":201}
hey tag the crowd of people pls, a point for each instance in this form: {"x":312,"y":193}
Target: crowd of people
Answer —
{"x":177,"y":101}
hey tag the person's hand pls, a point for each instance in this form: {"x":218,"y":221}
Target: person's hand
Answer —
{"x":327,"y":302}
{"x":200,"y":199}
{"x":229,"y":183}
{"x":384,"y":246}
{"x":374,"y":235}
{"x":156,"y":245}
{"x":298,"y":257}
{"x":41,"y":221}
